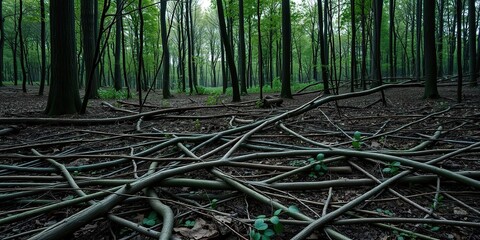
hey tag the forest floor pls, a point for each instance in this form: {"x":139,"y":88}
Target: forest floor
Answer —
{"x":220,"y":165}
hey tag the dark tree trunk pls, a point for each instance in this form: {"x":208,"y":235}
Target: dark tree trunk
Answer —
{"x":364,"y":49}
{"x":224,"y":69}
{"x":228,"y":52}
{"x":353,"y":65}
{"x":63,"y":97}
{"x":440,"y":37}
{"x":22,"y":49}
{"x":323,"y":52}
{"x":241,"y":49}
{"x":429,"y":48}
{"x":2,"y":43}
{"x":459,"y":53}
{"x":390,"y":38}
{"x":287,"y":49}
{"x":166,"y":51}
{"x":419,"y":40}
{"x":472,"y":43}
{"x":43,"y":48}
{"x":118,"y":37}
{"x":376,"y":66}
{"x":140,"y":55}
{"x":260,"y":57}
{"x":190,"y":50}
{"x":88,"y":29}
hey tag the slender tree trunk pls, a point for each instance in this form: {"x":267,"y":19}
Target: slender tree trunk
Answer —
{"x":376,"y":66}
{"x":364,"y":49}
{"x":287,"y":49}
{"x":440,"y":37}
{"x":140,"y":55}
{"x":260,"y":57}
{"x":353,"y":57}
{"x":124,"y":60}
{"x":390,"y":38}
{"x":430,"y":52}
{"x":323,"y":52}
{"x":43,"y":47}
{"x":22,"y":48}
{"x":472,"y":43}
{"x":88,"y":29}
{"x":459,"y":52}
{"x":419,"y":40}
{"x":64,"y":97}
{"x":118,"y":38}
{"x":189,"y":43}
{"x":228,"y":52}
{"x":241,"y":49}
{"x":166,"y":51}
{"x":2,"y":43}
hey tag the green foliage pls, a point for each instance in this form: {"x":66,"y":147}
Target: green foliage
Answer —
{"x":357,"y":140}
{"x":189,"y":223}
{"x":197,"y":125}
{"x":213,"y":99}
{"x":265,"y":228}
{"x":213,"y":203}
{"x":111,"y":93}
{"x":319,"y":168}
{"x":151,"y":220}
{"x":437,"y":201}
{"x":386,"y":212}
{"x":403,"y":236}
{"x":392,"y":168}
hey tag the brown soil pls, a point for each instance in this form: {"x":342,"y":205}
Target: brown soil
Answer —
{"x":229,"y":218}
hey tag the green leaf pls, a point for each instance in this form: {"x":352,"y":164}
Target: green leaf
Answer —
{"x":311,"y":160}
{"x":400,"y":238}
{"x":256,"y":235}
{"x":151,"y":219}
{"x":293,"y":209}
{"x":357,"y":135}
{"x":276,"y":213}
{"x":265,"y":237}
{"x":356,"y":144}
{"x":320,"y":157}
{"x":260,"y":224}
{"x":434,"y":229}
{"x":396,"y":164}
{"x":275,"y":220}
{"x":278,"y":228}
{"x":317,"y":168}
{"x":269,"y":233}
{"x":387,"y":170}
{"x":261,"y":216}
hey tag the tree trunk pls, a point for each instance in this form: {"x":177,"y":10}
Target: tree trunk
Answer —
{"x":2,"y":43}
{"x":440,"y":37}
{"x":323,"y":53}
{"x":260,"y":57}
{"x":118,"y":37}
{"x":376,"y":66}
{"x":419,"y":40}
{"x":364,"y":49}
{"x":352,"y":50}
{"x":472,"y":43}
{"x":241,"y":49}
{"x":287,"y":49}
{"x":64,"y":97}
{"x":140,"y":56}
{"x":88,"y":29}
{"x":459,"y":53}
{"x":166,"y":51}
{"x":390,"y":38}
{"x":43,"y":48}
{"x":22,"y":49}
{"x":430,"y":52}
{"x":228,"y":52}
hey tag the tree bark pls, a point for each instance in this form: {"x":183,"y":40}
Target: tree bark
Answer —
{"x":430,"y":56}
{"x":43,"y":48}
{"x":260,"y":57}
{"x":376,"y":66}
{"x":88,"y":29}
{"x":459,"y":53}
{"x":287,"y":49}
{"x":241,"y":49}
{"x":2,"y":43}
{"x":64,"y":97}
{"x":118,"y":37}
{"x":353,"y":65}
{"x":22,"y":48}
{"x":166,"y":51}
{"x":228,"y":52}
{"x":323,"y":52}
{"x":472,"y":43}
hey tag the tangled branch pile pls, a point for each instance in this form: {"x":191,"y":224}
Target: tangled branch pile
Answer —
{"x":299,"y":173}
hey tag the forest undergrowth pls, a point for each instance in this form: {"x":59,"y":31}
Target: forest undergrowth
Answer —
{"x":343,"y":165}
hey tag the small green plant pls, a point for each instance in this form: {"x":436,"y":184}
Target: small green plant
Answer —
{"x":265,"y":228}
{"x":213,"y":203}
{"x":165,"y":103}
{"x":385,"y":212}
{"x":259,"y":103}
{"x":403,"y":236}
{"x":151,"y":220}
{"x":319,"y":168}
{"x":213,"y":99}
{"x":437,"y":201}
{"x":189,"y":223}
{"x":111,"y":93}
{"x":197,"y":125}
{"x":392,"y":168}
{"x":357,"y":140}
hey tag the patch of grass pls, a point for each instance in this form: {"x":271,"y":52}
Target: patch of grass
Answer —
{"x":111,"y":93}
